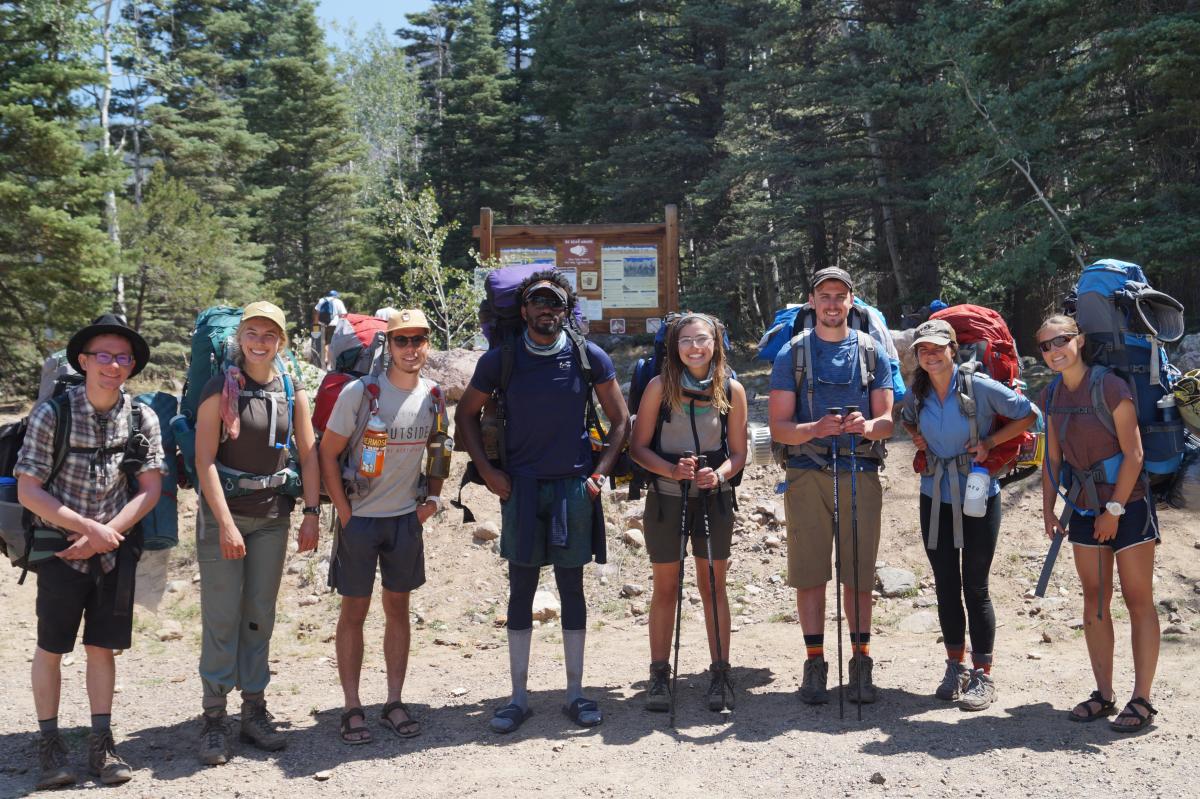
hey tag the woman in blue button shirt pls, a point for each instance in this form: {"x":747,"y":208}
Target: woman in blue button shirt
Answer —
{"x":959,"y":547}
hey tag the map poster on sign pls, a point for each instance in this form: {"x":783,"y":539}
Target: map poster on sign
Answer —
{"x":578,"y":252}
{"x":629,"y":276}
{"x":515,"y":256}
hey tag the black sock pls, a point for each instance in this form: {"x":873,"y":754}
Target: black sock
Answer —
{"x":860,"y":643}
{"x":101,"y":722}
{"x":814,"y":645}
{"x":48,"y":726}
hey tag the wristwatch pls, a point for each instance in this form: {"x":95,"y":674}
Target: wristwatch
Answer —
{"x":1114,"y":508}
{"x":311,"y":510}
{"x":437,"y":502}
{"x":720,"y":477}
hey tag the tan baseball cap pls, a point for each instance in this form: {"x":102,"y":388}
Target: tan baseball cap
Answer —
{"x":406,"y":318}
{"x":265,"y":310}
{"x":935,"y":331}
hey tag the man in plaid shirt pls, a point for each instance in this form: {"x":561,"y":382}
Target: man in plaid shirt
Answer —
{"x":91,"y":505}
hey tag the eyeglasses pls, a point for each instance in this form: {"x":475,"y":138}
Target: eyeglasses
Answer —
{"x":695,"y":341}
{"x":1055,"y":343}
{"x":123,"y":360}
{"x":542,"y":301}
{"x":404,"y":341}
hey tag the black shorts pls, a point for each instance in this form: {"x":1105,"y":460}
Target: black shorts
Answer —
{"x":65,"y":597}
{"x":394,"y":542}
{"x":1137,"y":525}
{"x":661,"y":524}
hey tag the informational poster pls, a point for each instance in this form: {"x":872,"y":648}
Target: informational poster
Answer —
{"x":629,"y":276}
{"x":589,"y":281}
{"x":592,"y":309}
{"x":578,"y":252}
{"x":569,"y":274}
{"x":540,"y":256}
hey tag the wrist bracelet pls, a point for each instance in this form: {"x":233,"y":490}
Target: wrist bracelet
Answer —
{"x":311,"y":510}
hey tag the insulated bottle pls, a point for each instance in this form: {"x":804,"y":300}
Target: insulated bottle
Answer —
{"x":975,"y":500}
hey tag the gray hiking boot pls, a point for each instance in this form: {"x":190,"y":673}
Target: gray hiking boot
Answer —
{"x":103,"y":761}
{"x":658,"y":695}
{"x":52,"y":761}
{"x":720,"y":687}
{"x":258,"y":728}
{"x":214,"y":739}
{"x":863,"y":692}
{"x":816,"y":676}
{"x":954,"y":681}
{"x":980,"y":693}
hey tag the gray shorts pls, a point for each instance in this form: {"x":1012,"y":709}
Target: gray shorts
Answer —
{"x":394,"y":542}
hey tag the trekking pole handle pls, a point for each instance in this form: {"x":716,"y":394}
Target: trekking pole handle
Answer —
{"x":687,"y":453}
{"x":701,"y":463}
{"x":849,"y":409}
{"x":834,"y":411}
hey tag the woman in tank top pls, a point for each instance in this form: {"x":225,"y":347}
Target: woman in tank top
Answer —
{"x":692,"y":406}
{"x":1111,"y":517}
{"x":244,"y":428}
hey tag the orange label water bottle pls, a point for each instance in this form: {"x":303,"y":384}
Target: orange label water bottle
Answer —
{"x":374,"y":448}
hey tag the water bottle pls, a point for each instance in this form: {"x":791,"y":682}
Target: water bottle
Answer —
{"x":8,"y":489}
{"x":439,"y":449}
{"x":1167,"y":412}
{"x":975,"y":499}
{"x":374,"y":448}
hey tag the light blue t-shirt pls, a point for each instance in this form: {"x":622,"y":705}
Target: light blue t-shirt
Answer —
{"x":838,"y":384}
{"x":947,"y":430}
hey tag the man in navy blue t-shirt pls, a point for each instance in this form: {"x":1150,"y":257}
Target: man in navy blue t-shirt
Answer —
{"x":549,"y":492}
{"x":839,"y":372}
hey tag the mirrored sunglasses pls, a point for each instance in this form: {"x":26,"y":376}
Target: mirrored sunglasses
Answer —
{"x":404,"y":341}
{"x":1055,"y":343}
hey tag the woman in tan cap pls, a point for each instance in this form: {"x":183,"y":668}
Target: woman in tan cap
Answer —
{"x":250,"y":421}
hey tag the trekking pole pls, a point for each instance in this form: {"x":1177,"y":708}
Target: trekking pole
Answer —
{"x":837,"y":563}
{"x":854,"y":540}
{"x":684,"y":486}
{"x":712,"y":587}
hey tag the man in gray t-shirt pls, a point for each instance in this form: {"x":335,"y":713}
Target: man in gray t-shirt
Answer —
{"x":381,"y":522}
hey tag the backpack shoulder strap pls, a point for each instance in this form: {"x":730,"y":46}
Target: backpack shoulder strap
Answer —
{"x":868,"y":358}
{"x":585,"y":363}
{"x":801,"y":357}
{"x":966,"y":399}
{"x":62,"y":435}
{"x":1096,"y":388}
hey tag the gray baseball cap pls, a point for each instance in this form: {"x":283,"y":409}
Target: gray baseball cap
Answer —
{"x":831,"y":273}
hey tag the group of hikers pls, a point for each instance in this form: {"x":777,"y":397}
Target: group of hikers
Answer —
{"x":830,"y":409}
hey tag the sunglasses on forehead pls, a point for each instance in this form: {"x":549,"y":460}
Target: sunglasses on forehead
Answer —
{"x":1058,"y":342}
{"x":404,"y":341}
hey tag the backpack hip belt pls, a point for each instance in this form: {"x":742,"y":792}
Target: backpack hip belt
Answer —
{"x":937,"y":467}
{"x":236,"y":483}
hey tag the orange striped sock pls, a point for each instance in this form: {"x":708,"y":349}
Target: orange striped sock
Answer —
{"x":957,"y":653}
{"x":860,"y":644}
{"x":815,"y":645}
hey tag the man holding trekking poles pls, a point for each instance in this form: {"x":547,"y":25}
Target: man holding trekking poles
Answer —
{"x":831,"y":405}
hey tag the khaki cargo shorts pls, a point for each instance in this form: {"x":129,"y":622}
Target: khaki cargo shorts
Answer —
{"x":809,"y":507}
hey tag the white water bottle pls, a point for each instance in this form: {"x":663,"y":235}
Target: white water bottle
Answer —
{"x":975,"y":500}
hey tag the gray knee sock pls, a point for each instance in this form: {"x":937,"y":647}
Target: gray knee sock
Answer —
{"x":573,"y":641}
{"x":518,"y":664}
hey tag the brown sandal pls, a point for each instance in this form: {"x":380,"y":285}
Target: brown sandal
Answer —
{"x":1130,"y":712}
{"x":1107,"y":708}
{"x":405,"y":729}
{"x":345,"y":730}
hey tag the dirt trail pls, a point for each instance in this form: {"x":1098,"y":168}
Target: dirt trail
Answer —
{"x":772,"y":745}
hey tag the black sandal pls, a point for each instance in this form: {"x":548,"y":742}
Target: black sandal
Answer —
{"x":408,"y":728}
{"x":1107,"y":708}
{"x":1130,"y":712}
{"x":362,"y":734}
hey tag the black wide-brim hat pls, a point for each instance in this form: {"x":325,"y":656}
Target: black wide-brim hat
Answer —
{"x":104,"y":325}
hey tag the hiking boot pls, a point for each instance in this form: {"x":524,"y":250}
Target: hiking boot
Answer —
{"x":720,"y":687}
{"x":258,"y":728}
{"x":52,"y":760}
{"x":860,"y":668}
{"x":954,"y":681}
{"x":214,"y":738}
{"x":103,"y":761}
{"x":816,"y":675}
{"x":658,"y":695}
{"x":981,"y":692}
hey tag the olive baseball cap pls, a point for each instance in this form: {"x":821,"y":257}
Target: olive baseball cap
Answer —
{"x":935,"y":331}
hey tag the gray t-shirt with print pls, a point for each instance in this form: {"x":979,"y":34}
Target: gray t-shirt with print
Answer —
{"x":409,"y":416}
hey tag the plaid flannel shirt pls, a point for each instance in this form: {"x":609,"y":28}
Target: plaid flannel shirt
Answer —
{"x":91,"y":484}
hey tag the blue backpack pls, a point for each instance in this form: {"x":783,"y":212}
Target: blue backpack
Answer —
{"x":1126,"y":322}
{"x":795,"y":319}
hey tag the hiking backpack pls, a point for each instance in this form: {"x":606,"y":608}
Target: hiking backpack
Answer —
{"x":57,"y":376}
{"x":794,"y":319}
{"x":985,"y":345}
{"x":357,"y":347}
{"x":1126,"y":322}
{"x":214,"y":344}
{"x":160,"y":527}
{"x":325,"y":311}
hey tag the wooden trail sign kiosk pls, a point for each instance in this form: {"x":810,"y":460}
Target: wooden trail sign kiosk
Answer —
{"x":626,"y":275}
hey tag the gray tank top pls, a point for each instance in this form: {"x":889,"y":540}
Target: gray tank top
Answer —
{"x":677,"y":437}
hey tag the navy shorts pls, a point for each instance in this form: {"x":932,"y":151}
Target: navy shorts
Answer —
{"x":393,"y":542}
{"x":1137,"y":525}
{"x":66,"y":597}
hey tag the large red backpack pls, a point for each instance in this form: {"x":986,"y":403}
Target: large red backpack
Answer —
{"x":355,"y":349}
{"x":983,"y":337}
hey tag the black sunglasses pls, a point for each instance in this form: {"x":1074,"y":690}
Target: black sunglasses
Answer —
{"x":542,"y":301}
{"x":1055,"y":343}
{"x":404,"y":341}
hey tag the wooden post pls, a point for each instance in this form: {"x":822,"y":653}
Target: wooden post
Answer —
{"x":486,"y":243}
{"x":671,"y":257}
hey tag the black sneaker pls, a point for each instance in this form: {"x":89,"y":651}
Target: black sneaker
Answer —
{"x":816,"y":676}
{"x":103,"y":761}
{"x":52,"y":761}
{"x":658,"y":695}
